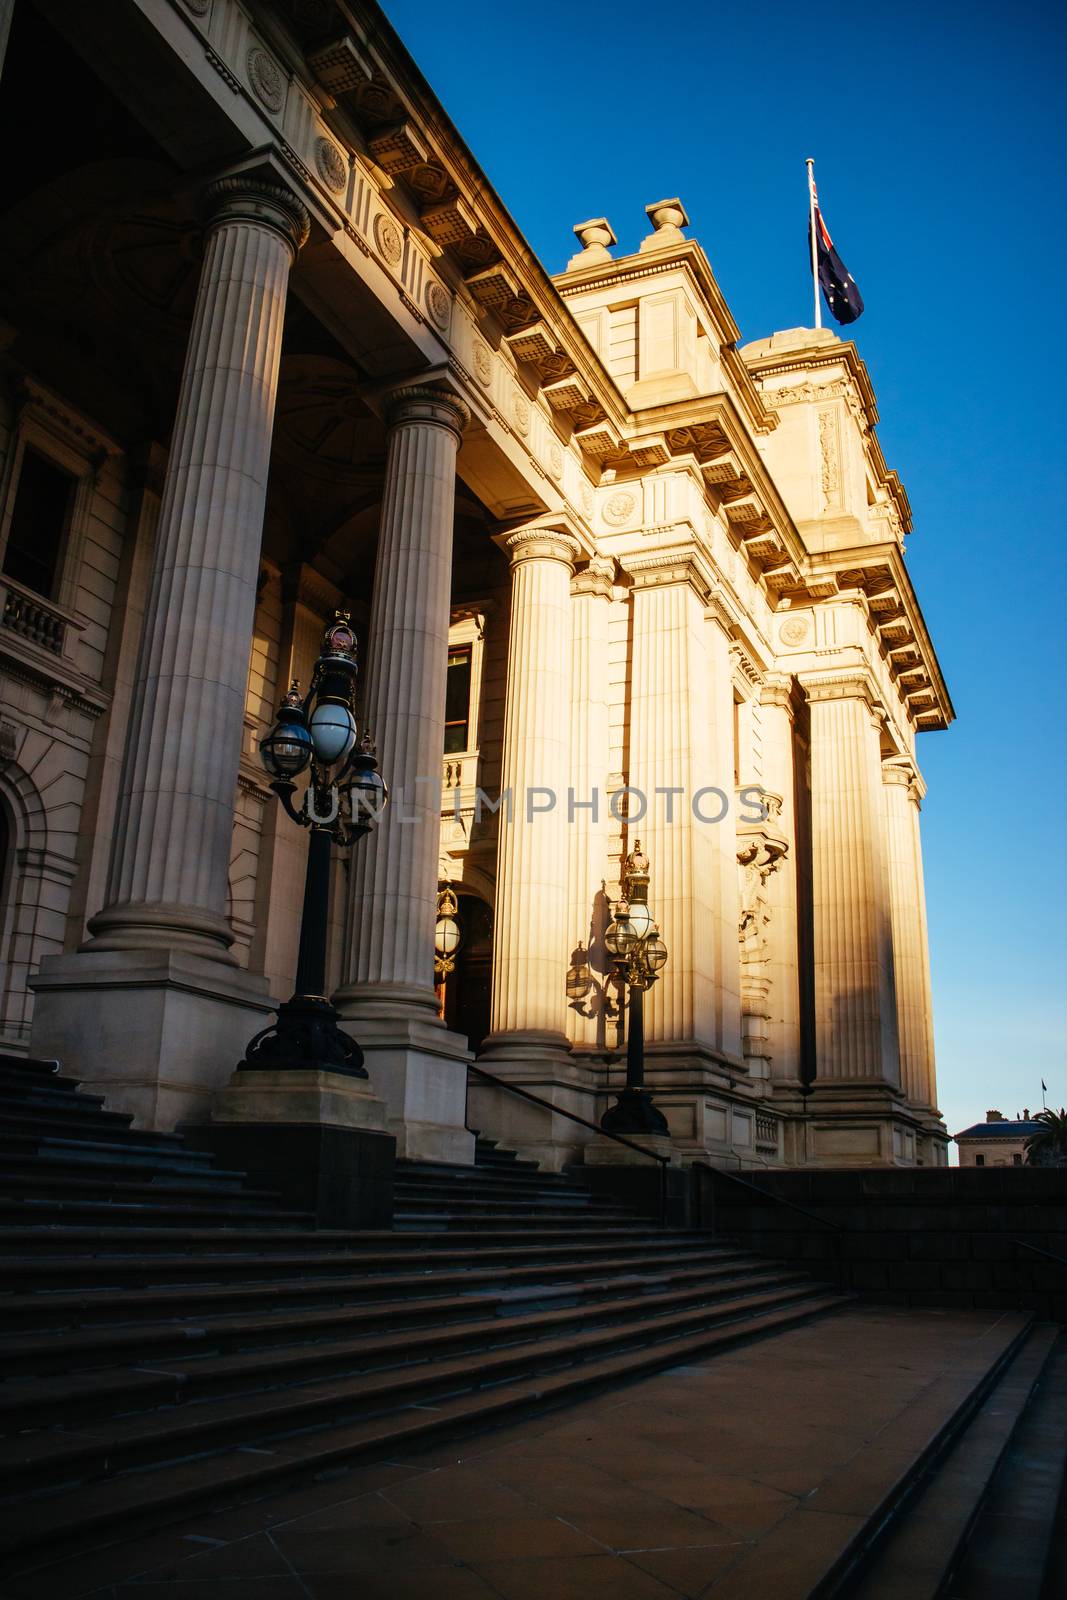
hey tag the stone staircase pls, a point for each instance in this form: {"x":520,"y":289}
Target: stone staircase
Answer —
{"x":173,"y":1338}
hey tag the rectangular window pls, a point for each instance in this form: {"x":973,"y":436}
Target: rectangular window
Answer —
{"x":458,"y":700}
{"x":979,"y":1161}
{"x":38,"y":523}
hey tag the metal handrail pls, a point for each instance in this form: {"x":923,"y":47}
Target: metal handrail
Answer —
{"x":1036,"y":1248}
{"x":779,"y":1199}
{"x":572,"y":1116}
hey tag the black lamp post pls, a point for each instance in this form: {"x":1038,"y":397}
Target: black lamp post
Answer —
{"x":342,"y":802}
{"x":633,"y":940}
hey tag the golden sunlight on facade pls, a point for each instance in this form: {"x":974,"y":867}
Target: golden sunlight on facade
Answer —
{"x":615,"y":575}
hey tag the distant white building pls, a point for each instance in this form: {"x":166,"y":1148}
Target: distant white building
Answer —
{"x":999,"y":1141}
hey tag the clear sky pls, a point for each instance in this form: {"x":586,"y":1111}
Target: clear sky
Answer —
{"x":938,"y":132}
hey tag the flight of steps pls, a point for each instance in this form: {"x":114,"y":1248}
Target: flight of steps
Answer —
{"x":171,"y":1338}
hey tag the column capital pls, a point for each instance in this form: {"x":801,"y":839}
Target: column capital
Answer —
{"x":898,"y":772}
{"x":848,"y":684}
{"x":595,"y":579}
{"x":423,"y":403}
{"x":777,"y":690}
{"x":681,"y":565}
{"x":246,"y":198}
{"x":540,"y":544}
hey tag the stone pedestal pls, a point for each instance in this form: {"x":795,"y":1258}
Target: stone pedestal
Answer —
{"x":601,"y":1152}
{"x":165,"y":923}
{"x":156,"y":1031}
{"x":388,"y":997}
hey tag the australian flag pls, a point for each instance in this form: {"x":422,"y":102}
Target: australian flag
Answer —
{"x":835,"y":280}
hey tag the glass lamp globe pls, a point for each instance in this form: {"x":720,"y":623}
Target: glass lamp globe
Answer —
{"x":447,"y":935}
{"x":619,"y":938}
{"x":333,"y":731}
{"x":367,"y":794}
{"x":286,"y":750}
{"x":640,"y":918}
{"x":655,"y":950}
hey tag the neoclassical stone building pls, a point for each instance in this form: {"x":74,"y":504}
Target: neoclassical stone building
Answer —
{"x":272,"y":346}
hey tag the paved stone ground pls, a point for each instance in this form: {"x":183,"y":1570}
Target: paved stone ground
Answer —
{"x":687,"y":1484}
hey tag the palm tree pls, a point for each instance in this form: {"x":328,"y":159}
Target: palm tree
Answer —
{"x":1048,"y":1147}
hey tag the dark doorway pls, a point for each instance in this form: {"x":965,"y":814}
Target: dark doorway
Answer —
{"x":468,"y":988}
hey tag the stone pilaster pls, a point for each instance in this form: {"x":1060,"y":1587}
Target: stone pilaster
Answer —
{"x":721,"y":837}
{"x":902,"y":791}
{"x":389,"y":993}
{"x":587,"y":833}
{"x":855,"y":997}
{"x":167,"y":883}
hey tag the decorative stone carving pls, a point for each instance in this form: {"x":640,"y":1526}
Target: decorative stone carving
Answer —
{"x":794,"y":631}
{"x":483,"y":364}
{"x":199,"y":8}
{"x":619,"y":509}
{"x":331,"y":164}
{"x":387,"y":238}
{"x":520,"y":413}
{"x":266,"y":78}
{"x":439,"y":303}
{"x":555,"y":461}
{"x":588,"y":499}
{"x":830,"y":479}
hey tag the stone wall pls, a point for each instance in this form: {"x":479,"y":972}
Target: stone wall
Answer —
{"x":918,"y":1237}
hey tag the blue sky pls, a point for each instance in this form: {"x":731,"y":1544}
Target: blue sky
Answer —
{"x":938,"y":132}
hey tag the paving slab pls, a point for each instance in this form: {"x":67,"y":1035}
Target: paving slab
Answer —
{"x":742,"y":1476}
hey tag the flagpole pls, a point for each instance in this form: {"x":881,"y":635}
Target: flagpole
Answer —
{"x":814,"y":242}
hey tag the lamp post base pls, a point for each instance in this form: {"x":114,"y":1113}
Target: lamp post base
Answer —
{"x":634,"y":1112}
{"x":305,"y":1038}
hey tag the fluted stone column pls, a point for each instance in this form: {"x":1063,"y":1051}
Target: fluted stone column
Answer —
{"x":414,"y":1062}
{"x":910,"y":949}
{"x":167,"y":885}
{"x":531,"y":938}
{"x":587,"y":831}
{"x":855,"y":997}
{"x":673,"y":735}
{"x":532,"y":935}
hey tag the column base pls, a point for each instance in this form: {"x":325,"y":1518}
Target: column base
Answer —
{"x":542,"y":1063}
{"x":857,"y":1123}
{"x":420,"y":1070}
{"x":601,"y":1152}
{"x":157,"y":1031}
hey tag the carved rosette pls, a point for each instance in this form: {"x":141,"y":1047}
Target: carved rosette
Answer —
{"x":387,"y":238}
{"x":438,"y":303}
{"x":555,"y":461}
{"x":483,"y":363}
{"x":520,"y":413}
{"x":266,"y":78}
{"x":331,"y":165}
{"x":620,"y":509}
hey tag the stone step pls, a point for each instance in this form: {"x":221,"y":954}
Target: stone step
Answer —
{"x":111,"y":1268}
{"x":233,"y":1210}
{"x":101,"y":1346}
{"x":133,"y":1149}
{"x":924,"y":1542}
{"x":116,"y":1306}
{"x":119,"y":1505}
{"x":87,"y":1396}
{"x":497,"y":1220}
{"x":26,"y":1179}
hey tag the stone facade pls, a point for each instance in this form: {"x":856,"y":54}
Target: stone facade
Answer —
{"x":274,"y":347}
